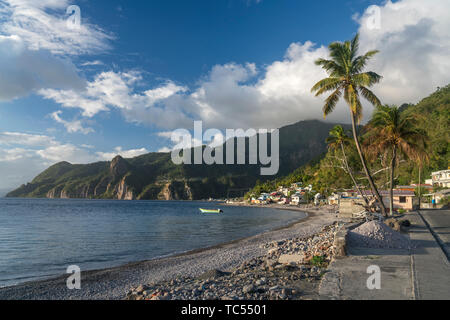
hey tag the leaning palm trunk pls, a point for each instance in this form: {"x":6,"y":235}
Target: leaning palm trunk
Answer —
{"x":351,"y":175}
{"x":391,"y":186}
{"x":366,"y":170}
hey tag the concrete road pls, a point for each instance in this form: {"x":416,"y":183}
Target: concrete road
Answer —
{"x":439,"y":221}
{"x":422,"y":273}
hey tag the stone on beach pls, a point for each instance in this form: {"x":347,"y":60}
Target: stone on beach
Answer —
{"x":275,"y":275}
{"x":292,"y":258}
{"x":375,"y":234}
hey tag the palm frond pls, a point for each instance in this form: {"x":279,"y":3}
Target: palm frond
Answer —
{"x":360,"y":62}
{"x":330,"y":102}
{"x":369,"y":96}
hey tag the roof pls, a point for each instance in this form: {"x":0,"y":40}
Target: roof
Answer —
{"x":397,"y":193}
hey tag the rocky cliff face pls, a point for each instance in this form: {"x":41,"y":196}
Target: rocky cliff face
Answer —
{"x":155,"y":176}
{"x":114,"y":184}
{"x":176,"y":190}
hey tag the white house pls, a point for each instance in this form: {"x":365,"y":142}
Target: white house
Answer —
{"x":441,"y":178}
{"x":296,"y":199}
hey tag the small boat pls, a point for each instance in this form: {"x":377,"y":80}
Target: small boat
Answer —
{"x":211,"y":210}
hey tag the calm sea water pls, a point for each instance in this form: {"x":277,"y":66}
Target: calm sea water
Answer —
{"x":40,"y":238}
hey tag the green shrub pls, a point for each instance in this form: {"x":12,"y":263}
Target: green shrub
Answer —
{"x":318,"y":261}
{"x":445,"y":201}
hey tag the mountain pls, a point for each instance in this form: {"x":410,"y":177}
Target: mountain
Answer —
{"x":155,"y":176}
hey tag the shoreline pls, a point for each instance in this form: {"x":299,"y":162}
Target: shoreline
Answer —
{"x":115,"y":282}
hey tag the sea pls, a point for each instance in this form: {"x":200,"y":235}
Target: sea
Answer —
{"x":41,"y":238}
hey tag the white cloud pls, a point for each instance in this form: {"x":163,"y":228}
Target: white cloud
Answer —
{"x":43,"y":25}
{"x":24,"y":155}
{"x":414,"y":44}
{"x":23,"y":71}
{"x":36,"y":44}
{"x":71,"y":126}
{"x":111,"y":89}
{"x":124,"y":153}
{"x":25,"y":139}
{"x":92,"y":63}
{"x":165,"y":150}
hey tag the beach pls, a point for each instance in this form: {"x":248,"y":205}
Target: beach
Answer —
{"x":116,"y":283}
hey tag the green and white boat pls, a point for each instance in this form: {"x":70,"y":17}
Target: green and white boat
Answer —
{"x":211,"y":210}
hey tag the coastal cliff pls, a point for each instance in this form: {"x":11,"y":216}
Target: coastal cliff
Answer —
{"x":155,"y":177}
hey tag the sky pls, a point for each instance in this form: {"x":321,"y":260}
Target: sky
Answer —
{"x":123,"y":76}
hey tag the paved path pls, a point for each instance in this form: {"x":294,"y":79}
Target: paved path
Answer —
{"x":419,"y":273}
{"x":430,"y":264}
{"x":439,"y":222}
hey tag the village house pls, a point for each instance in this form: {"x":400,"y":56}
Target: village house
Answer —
{"x":296,"y":199}
{"x":414,"y":187}
{"x":441,"y":178}
{"x":405,"y":200}
{"x":334,"y":199}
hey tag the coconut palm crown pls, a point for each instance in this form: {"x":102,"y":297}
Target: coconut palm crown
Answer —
{"x":394,"y":134}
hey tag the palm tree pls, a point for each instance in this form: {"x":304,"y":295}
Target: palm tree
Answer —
{"x":337,"y":140}
{"x":393,"y":133}
{"x":346,"y":77}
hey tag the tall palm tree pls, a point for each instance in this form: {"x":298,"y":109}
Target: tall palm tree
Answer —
{"x":346,"y":77}
{"x":337,"y":140}
{"x":394,"y":134}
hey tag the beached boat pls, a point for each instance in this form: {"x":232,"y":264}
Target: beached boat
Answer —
{"x":211,"y":210}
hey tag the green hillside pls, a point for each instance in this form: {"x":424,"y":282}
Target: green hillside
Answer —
{"x":433,"y":116}
{"x":154,"y":176}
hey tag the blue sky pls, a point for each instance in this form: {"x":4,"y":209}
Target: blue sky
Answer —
{"x":136,"y":70}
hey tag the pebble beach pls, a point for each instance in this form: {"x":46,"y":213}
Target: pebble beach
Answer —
{"x":253,"y":263}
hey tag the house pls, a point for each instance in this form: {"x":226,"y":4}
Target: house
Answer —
{"x":333,"y":199}
{"x":349,"y":193}
{"x":414,"y":187}
{"x":296,"y":199}
{"x":285,"y":192}
{"x":405,"y":200}
{"x":441,"y":178}
{"x":296,"y":185}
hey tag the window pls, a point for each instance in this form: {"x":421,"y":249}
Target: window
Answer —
{"x":402,"y":199}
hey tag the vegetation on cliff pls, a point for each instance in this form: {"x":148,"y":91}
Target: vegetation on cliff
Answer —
{"x":155,"y":176}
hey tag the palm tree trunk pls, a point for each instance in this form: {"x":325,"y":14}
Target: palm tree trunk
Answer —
{"x":420,"y":187}
{"x":391,"y":186}
{"x":351,"y":175}
{"x":364,"y":164}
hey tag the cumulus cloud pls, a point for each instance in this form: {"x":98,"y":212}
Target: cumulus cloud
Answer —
{"x":23,"y":71}
{"x":124,"y":153}
{"x":43,"y":25}
{"x":24,"y":155}
{"x":116,"y":89}
{"x":71,"y":126}
{"x":414,"y":45}
{"x":36,"y":43}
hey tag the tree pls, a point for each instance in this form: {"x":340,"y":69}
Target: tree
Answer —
{"x":346,"y":78}
{"x":394,"y":134}
{"x":338,"y":139}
